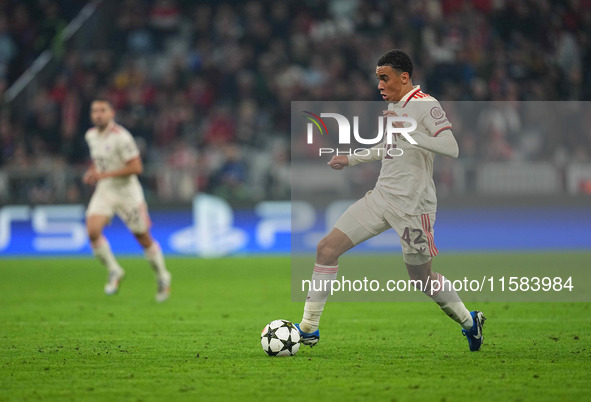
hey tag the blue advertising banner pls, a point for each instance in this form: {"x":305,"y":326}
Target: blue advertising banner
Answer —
{"x":210,"y":228}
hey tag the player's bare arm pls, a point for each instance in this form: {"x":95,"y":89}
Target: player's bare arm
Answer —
{"x":133,"y":166}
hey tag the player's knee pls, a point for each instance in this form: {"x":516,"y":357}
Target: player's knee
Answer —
{"x":326,"y":251}
{"x":144,"y":239}
{"x":94,"y":233}
{"x":416,"y":259}
{"x":419,"y":270}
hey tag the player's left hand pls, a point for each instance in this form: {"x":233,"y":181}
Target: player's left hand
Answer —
{"x":91,"y":177}
{"x":338,"y":162}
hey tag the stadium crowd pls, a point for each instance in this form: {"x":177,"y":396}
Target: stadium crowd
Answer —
{"x":207,"y":87}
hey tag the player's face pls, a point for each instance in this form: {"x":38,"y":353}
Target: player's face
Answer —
{"x":391,"y":83}
{"x":101,"y":114}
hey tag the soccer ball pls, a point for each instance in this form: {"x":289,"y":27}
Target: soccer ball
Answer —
{"x":280,"y":338}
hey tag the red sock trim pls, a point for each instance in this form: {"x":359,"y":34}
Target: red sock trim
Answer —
{"x":323,"y":269}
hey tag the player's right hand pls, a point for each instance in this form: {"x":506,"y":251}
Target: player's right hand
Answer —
{"x":338,"y":162}
{"x":90,"y":177}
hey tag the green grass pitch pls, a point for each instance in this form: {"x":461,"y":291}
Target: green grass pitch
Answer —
{"x":62,"y":339}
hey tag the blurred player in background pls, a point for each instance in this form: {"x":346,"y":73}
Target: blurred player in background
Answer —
{"x":115,"y":165}
{"x":403,"y":199}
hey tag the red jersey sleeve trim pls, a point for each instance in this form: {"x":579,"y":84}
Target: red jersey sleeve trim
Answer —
{"x":442,"y":129}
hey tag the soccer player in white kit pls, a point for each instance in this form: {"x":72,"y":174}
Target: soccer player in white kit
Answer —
{"x":403,"y":199}
{"x":116,"y":162}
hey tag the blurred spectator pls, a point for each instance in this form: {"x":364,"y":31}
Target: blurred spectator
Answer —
{"x":31,"y":27}
{"x":220,"y":76}
{"x":8,"y":49}
{"x":278,"y":175}
{"x":230,"y":181}
{"x":178,"y":183}
{"x":164,"y":20}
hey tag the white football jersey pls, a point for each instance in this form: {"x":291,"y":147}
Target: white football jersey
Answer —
{"x":406,"y":181}
{"x":111,"y":150}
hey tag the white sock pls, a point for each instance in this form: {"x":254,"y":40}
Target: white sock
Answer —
{"x":451,"y":304}
{"x":104,"y":254}
{"x":317,"y":298}
{"x":156,"y":259}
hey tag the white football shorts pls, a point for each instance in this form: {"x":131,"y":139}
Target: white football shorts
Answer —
{"x":371,"y":215}
{"x":129,"y":205}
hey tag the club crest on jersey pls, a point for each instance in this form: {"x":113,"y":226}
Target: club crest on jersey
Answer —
{"x":436,"y":113}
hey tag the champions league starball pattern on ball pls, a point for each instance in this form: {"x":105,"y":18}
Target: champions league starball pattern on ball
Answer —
{"x":280,"y":338}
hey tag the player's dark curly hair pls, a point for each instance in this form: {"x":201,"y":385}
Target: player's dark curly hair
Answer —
{"x":398,"y":60}
{"x":104,"y":99}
